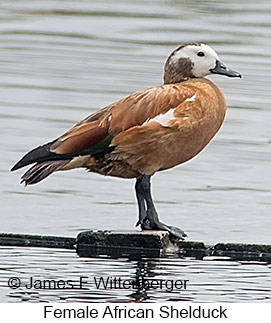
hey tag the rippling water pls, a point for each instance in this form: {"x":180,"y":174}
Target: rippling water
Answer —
{"x":207,"y":280}
{"x":62,"y":60}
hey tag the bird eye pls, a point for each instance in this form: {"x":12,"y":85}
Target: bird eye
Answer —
{"x":201,"y":54}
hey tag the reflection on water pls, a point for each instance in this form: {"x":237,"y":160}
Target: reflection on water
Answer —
{"x":61,"y":60}
{"x":206,"y":280}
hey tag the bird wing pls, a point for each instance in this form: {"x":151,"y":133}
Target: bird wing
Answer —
{"x":131,"y":111}
{"x":94,"y":134}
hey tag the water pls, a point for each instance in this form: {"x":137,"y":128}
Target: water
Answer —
{"x":207,"y":281}
{"x":61,"y":60}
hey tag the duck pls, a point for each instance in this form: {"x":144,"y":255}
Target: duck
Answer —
{"x":146,"y":132}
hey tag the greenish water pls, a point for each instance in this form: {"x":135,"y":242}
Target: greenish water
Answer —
{"x":62,"y":60}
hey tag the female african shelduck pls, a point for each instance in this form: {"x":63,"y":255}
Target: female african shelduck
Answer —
{"x":146,"y":132}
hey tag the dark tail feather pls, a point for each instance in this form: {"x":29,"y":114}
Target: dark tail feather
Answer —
{"x":41,"y":170}
{"x":38,"y":154}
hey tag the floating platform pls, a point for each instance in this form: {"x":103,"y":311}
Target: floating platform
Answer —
{"x":138,"y":244}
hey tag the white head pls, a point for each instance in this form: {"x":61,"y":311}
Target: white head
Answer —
{"x":194,"y":60}
{"x":202,"y":57}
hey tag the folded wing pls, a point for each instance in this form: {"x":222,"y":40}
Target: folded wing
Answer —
{"x":94,"y":134}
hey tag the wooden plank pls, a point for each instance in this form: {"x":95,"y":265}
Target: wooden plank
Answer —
{"x":136,"y":244}
{"x":28,"y":240}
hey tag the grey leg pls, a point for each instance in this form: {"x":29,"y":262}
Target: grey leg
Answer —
{"x":141,"y":202}
{"x":148,"y":218}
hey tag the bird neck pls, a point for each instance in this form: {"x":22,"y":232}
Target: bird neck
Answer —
{"x":179,"y":71}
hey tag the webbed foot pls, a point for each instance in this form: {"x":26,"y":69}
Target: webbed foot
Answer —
{"x":151,"y":222}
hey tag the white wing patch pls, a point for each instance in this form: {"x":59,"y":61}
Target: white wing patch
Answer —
{"x":163,"y":119}
{"x":193,"y":98}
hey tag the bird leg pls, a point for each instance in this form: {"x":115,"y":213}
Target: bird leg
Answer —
{"x":142,"y":212}
{"x":148,"y":217}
